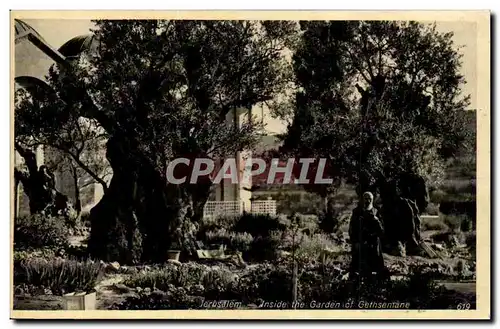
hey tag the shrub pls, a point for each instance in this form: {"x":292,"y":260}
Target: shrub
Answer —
{"x":264,"y":248}
{"x":85,"y":219}
{"x":467,"y":224}
{"x":316,"y":246}
{"x":175,"y":298}
{"x":22,"y":255}
{"x":329,"y":222}
{"x":258,"y":237}
{"x":218,"y":236}
{"x":310,"y":248}
{"x":267,"y":282}
{"x":39,"y":231}
{"x":241,"y":241}
{"x":455,"y":222}
{"x":58,"y":275}
{"x":183,"y":275}
{"x":233,"y":240}
{"x":258,"y":224}
{"x":71,"y":217}
{"x":214,"y":224}
{"x":179,"y":276}
{"x":150,"y":279}
{"x":215,"y":282}
{"x":432,"y":209}
{"x":470,"y":241}
{"x":310,"y":223}
{"x":219,"y":284}
{"x":437,"y":196}
{"x":77,"y":252}
{"x":338,"y":214}
{"x":419,"y":290}
{"x":434,"y":224}
{"x":263,"y":281}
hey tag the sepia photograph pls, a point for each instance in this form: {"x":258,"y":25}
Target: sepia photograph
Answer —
{"x":311,"y":165}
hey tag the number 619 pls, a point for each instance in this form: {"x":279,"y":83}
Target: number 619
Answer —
{"x":463,"y":306}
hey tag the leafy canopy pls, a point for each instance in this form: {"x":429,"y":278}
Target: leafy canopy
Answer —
{"x":166,"y":88}
{"x":378,"y":98}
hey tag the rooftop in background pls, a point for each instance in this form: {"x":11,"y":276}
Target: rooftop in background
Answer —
{"x":23,"y":29}
{"x":75,"y":46}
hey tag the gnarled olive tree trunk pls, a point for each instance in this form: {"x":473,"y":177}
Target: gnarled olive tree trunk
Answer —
{"x":404,"y":198}
{"x":141,"y":216}
{"x":39,"y":185}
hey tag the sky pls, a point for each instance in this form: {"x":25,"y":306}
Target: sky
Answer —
{"x":57,"y":32}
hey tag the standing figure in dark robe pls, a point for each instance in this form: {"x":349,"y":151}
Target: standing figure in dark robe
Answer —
{"x":365,"y":231}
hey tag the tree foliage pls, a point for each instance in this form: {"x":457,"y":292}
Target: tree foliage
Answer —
{"x":72,"y":145}
{"x":171,"y":84}
{"x":378,"y":98}
{"x":161,"y":90}
{"x":69,"y":140}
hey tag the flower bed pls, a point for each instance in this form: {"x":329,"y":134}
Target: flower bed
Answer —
{"x":193,"y":286}
{"x":56,"y":276}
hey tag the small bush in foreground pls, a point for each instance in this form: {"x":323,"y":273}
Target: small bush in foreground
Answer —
{"x":217,"y":283}
{"x":266,"y":283}
{"x":258,"y":225}
{"x":432,"y":209}
{"x":434,"y":224}
{"x":233,"y":240}
{"x":39,"y":231}
{"x":180,"y":276}
{"x":211,"y":224}
{"x":172,"y":299}
{"x":456,"y":223}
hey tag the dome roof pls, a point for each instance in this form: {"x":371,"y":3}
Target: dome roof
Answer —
{"x":23,"y":28}
{"x":78,"y":45}
{"x":33,"y":85}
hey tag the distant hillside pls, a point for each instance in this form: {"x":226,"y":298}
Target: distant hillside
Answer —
{"x":459,"y":183}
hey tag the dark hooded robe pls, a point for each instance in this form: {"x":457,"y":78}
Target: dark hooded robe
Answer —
{"x":365,"y":232}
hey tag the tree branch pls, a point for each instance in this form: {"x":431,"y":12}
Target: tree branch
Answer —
{"x":367,"y":57}
{"x":86,"y":168}
{"x":356,"y":66}
{"x":28,"y":156}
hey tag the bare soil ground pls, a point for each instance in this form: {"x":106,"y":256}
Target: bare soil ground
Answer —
{"x":107,"y":292}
